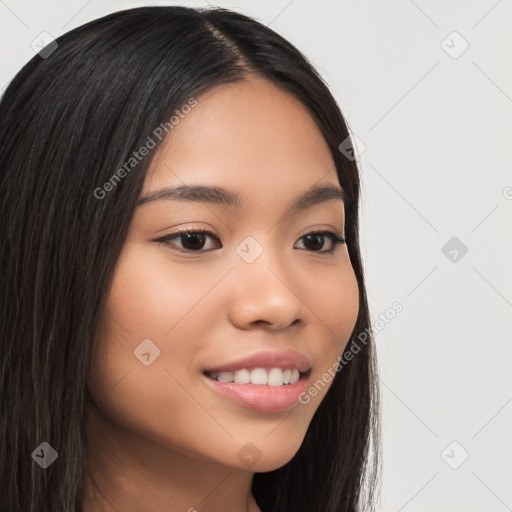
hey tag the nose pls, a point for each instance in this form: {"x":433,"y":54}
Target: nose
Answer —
{"x":264,"y":295}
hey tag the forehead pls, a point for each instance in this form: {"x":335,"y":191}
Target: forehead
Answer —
{"x":251,"y":136}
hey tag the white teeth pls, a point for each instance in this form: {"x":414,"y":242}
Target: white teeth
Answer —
{"x":294,"y":375}
{"x":242,"y":377}
{"x":275,"y":377}
{"x":225,"y":377}
{"x":259,"y":376}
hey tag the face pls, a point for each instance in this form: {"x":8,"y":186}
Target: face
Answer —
{"x":253,"y":291}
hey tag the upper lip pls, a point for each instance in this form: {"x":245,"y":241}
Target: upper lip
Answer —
{"x":270,"y":359}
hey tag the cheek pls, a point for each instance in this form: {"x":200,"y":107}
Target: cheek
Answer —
{"x":154,"y":298}
{"x":334,"y":300}
{"x":348,"y":300}
{"x":150,"y":310}
{"x":335,"y":306}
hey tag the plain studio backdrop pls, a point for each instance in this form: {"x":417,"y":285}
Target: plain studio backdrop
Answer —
{"x":425,"y":87}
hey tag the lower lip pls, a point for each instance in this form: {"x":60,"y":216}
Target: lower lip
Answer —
{"x":261,"y":397}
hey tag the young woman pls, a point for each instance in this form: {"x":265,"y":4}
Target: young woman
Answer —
{"x":184,"y":317}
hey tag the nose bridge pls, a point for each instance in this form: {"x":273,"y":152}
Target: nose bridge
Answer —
{"x":257,"y":256}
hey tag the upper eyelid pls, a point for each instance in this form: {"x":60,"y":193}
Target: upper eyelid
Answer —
{"x":186,"y":231}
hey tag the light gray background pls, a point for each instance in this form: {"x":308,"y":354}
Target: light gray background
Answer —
{"x":435,"y":128}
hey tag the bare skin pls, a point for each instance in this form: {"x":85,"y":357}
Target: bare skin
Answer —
{"x":157,"y":437}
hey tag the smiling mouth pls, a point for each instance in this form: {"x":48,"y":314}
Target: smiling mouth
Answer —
{"x":273,"y":377}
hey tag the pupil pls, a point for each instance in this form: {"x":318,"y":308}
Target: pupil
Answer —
{"x":198,"y":238}
{"x":318,"y":237}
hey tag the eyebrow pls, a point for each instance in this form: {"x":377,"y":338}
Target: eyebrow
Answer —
{"x":221,"y":196}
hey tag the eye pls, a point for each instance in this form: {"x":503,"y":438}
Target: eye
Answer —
{"x":317,"y":238}
{"x":194,"y":240}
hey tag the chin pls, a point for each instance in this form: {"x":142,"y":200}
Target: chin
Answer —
{"x":267,"y":454}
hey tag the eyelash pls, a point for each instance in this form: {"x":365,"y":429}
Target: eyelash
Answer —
{"x":336,"y":240}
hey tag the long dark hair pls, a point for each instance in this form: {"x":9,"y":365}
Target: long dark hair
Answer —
{"x":68,"y":120}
